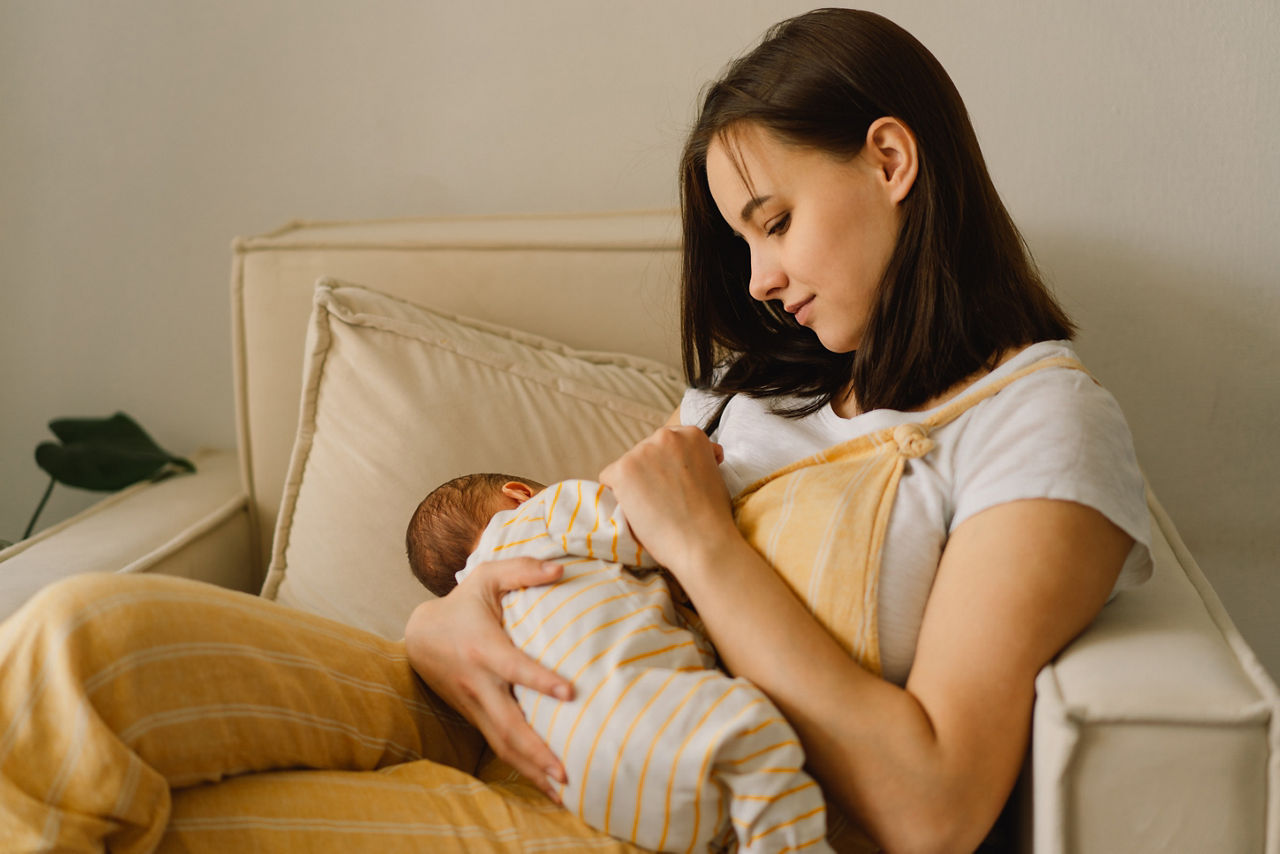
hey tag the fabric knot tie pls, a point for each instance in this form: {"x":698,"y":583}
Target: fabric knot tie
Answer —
{"x":912,"y":440}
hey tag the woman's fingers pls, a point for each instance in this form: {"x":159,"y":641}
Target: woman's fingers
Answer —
{"x":515,"y":742}
{"x":458,"y":646}
{"x":503,"y":576}
{"x":671,"y":489}
{"x":512,"y":665}
{"x":493,"y":709}
{"x":520,"y":669}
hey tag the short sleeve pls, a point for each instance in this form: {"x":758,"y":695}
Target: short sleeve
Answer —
{"x":1055,"y":434}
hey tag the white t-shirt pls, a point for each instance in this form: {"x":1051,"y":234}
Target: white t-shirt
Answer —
{"x":1052,"y":434}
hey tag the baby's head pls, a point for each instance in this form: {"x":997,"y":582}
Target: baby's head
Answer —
{"x":447,"y":525}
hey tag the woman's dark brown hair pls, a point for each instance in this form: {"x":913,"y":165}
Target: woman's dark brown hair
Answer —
{"x":960,"y":288}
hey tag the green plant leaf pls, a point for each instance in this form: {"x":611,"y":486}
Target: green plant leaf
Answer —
{"x":104,"y":454}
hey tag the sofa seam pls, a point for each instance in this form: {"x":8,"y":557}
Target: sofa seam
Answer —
{"x":216,"y":519}
{"x":459,"y":246}
{"x":101,"y":506}
{"x":240,"y":362}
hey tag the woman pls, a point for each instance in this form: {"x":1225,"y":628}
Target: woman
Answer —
{"x":849,"y":268}
{"x":854,"y":298}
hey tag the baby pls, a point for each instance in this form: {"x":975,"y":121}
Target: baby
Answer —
{"x":660,"y":748}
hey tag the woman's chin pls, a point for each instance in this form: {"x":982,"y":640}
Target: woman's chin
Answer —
{"x":842,"y":344}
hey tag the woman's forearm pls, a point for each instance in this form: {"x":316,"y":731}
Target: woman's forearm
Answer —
{"x":925,"y":768}
{"x":870,"y":743}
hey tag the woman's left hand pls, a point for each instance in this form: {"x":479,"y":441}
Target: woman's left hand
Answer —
{"x":674,"y":497}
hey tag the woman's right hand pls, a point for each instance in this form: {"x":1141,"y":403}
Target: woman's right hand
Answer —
{"x":457,"y":645}
{"x":675,"y":499}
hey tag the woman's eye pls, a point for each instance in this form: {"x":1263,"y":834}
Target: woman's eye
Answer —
{"x":779,"y":225}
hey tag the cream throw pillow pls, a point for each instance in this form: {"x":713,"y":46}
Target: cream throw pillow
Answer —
{"x":396,"y":400}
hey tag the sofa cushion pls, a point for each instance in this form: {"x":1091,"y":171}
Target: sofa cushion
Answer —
{"x":396,"y":400}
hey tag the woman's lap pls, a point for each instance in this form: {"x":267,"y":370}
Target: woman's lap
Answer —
{"x":414,"y":806}
{"x":115,"y":688}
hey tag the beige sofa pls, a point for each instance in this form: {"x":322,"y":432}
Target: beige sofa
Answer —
{"x":1156,"y":730}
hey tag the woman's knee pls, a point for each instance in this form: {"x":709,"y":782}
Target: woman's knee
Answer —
{"x":71,"y":595}
{"x":69,"y":601}
{"x":63,"y":598}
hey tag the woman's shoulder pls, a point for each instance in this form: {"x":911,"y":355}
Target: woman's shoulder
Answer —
{"x":1046,"y":394}
{"x":1053,"y":433}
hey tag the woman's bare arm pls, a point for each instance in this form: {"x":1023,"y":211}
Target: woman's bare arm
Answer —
{"x":925,"y":768}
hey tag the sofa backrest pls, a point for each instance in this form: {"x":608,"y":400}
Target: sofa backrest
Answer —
{"x":594,"y":282}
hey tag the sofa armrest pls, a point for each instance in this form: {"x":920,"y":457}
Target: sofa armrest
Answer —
{"x":196,"y":526}
{"x":1157,"y":729}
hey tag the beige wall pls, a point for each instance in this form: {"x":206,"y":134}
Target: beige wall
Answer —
{"x":138,"y":136}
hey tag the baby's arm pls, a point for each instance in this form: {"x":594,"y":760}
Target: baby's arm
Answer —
{"x":585,"y":520}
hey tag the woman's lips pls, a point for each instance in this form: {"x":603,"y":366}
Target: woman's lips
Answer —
{"x":801,"y":310}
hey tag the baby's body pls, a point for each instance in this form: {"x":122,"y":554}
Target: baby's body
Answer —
{"x":660,"y":747}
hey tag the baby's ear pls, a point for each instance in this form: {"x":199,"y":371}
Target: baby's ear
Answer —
{"x":517,"y":491}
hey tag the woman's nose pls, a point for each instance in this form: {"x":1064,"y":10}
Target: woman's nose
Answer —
{"x":767,"y":277}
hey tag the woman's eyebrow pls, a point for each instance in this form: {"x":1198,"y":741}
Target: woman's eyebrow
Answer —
{"x":750,"y":207}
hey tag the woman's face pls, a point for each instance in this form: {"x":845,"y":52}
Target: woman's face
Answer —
{"x":820,"y":230}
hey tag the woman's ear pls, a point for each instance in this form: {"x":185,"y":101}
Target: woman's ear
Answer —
{"x":892,"y":147}
{"x":517,"y":491}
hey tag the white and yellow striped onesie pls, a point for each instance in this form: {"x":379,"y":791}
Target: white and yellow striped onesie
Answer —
{"x":660,"y":747}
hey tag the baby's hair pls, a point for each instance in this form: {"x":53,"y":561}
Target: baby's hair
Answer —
{"x":444,"y":528}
